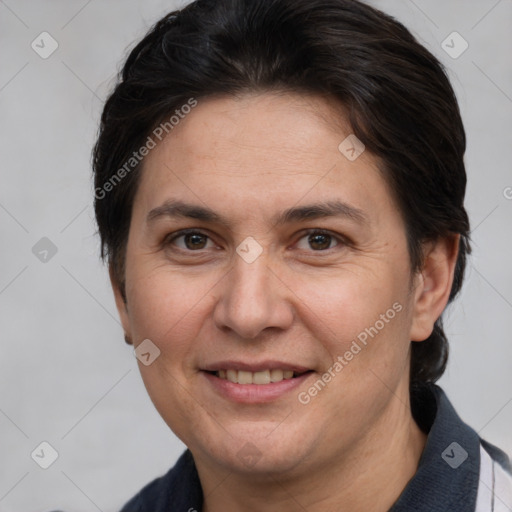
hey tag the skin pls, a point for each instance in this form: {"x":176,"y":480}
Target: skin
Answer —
{"x":355,"y":445}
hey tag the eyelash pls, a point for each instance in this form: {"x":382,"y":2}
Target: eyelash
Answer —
{"x":341,"y":241}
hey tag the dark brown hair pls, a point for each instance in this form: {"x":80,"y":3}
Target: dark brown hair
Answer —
{"x":399,"y":101}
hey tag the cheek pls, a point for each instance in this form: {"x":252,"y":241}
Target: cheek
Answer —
{"x":344,"y":305}
{"x":362,"y":325}
{"x":363,"y":329}
{"x":168,"y":307}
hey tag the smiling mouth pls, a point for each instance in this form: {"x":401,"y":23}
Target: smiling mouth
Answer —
{"x":261,"y":377}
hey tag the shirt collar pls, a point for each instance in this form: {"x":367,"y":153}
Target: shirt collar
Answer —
{"x":448,"y":471}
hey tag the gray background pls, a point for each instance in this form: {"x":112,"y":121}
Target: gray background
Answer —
{"x":66,"y":375}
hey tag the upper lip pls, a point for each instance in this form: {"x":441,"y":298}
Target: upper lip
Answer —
{"x":255,"y":366}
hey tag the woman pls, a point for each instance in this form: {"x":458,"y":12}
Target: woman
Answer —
{"x":280,"y":197}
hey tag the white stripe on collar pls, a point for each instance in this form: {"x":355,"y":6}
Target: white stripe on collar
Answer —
{"x":495,"y":487}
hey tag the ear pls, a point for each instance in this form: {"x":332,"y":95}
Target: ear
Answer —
{"x":433,"y":285}
{"x":121,"y":304}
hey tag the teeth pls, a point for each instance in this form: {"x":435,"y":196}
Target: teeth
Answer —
{"x":244,"y":377}
{"x":276,"y":375}
{"x":260,"y":377}
{"x":263,"y":377}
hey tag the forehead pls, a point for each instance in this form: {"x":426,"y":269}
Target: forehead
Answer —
{"x":259,"y":152}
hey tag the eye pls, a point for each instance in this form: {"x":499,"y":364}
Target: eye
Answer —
{"x":319,"y":240}
{"x":191,"y":240}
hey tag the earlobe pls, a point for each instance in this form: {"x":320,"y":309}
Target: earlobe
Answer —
{"x":433,"y":285}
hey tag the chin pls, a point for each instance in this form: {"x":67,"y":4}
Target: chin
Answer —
{"x":256,"y":449}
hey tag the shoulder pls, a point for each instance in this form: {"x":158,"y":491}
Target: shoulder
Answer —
{"x":179,"y":486}
{"x":495,"y":485}
{"x":497,"y":455}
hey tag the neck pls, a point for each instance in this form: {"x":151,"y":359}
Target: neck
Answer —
{"x":370,"y":476}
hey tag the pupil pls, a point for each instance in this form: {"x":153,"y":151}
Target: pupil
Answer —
{"x":195,"y":241}
{"x":319,"y":240}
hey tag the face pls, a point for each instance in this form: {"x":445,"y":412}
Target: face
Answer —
{"x":284,"y":313}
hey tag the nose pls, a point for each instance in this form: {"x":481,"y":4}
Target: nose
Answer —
{"x":254,"y":298}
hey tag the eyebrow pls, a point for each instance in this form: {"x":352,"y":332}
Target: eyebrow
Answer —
{"x":336,"y":208}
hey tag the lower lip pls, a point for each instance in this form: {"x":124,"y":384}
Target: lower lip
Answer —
{"x":254,"y":393}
